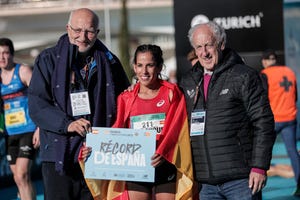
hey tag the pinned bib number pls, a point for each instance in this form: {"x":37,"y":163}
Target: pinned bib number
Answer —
{"x":197,"y":122}
{"x":154,"y":121}
{"x":16,"y":117}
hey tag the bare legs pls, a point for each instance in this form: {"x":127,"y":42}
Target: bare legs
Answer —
{"x":161,"y":192}
{"x":21,"y":172}
{"x":282,"y":170}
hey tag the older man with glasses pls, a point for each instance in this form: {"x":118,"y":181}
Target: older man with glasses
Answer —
{"x":73,"y":87}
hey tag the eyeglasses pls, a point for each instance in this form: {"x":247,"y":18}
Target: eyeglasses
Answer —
{"x":90,"y":33}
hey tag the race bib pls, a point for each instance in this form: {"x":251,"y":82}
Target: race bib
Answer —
{"x":149,"y":122}
{"x":15,"y":117}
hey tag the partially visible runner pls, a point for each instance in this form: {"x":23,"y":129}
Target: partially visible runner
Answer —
{"x":22,"y":134}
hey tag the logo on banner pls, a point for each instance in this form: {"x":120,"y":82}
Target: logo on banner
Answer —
{"x":232,"y":22}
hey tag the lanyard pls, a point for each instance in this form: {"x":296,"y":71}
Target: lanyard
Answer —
{"x":196,"y":97}
{"x":83,"y":75}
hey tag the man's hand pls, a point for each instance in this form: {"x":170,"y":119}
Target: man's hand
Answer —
{"x":80,"y":126}
{"x":130,"y":88}
{"x":36,"y":138}
{"x":257,"y":182}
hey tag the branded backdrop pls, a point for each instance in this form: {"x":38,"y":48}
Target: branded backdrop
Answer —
{"x":251,"y":26}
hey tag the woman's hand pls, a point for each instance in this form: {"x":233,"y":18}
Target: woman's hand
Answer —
{"x":85,"y":151}
{"x":157,"y":160}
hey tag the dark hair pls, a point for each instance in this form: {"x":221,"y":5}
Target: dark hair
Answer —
{"x":155,"y":51}
{"x":267,"y":53}
{"x":9,"y":43}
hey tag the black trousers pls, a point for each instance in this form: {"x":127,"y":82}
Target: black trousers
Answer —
{"x":70,"y":186}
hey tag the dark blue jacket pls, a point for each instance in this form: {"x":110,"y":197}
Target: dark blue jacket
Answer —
{"x":49,"y":103}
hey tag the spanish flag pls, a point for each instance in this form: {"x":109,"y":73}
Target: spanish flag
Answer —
{"x":174,"y":147}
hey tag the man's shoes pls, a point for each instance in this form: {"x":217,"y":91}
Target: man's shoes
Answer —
{"x":297,"y":192}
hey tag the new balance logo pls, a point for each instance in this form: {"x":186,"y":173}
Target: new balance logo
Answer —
{"x":191,"y":93}
{"x":224,"y":91}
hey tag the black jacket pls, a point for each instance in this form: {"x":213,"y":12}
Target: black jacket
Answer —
{"x":239,"y":122}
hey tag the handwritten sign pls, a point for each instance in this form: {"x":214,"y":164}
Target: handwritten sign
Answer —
{"x":120,"y":154}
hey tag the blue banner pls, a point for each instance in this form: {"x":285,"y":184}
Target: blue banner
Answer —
{"x":121,"y":154}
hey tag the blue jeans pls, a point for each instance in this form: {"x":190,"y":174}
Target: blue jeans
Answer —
{"x":232,"y":190}
{"x":288,"y":133}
